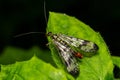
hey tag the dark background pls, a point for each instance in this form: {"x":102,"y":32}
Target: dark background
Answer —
{"x":22,"y":16}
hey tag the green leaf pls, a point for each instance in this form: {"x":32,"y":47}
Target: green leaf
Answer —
{"x":97,"y":67}
{"x":33,"y":69}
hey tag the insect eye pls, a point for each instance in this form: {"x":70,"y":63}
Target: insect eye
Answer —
{"x":49,"y":33}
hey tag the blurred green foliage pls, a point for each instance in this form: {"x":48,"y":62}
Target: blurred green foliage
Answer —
{"x":12,"y":54}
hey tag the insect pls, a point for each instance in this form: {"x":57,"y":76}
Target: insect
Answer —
{"x":65,"y":46}
{"x":77,"y":44}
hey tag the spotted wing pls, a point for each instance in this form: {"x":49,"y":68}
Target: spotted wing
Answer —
{"x":84,"y":45}
{"x":66,"y":55}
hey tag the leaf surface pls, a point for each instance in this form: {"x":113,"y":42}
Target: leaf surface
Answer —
{"x":33,"y":69}
{"x":97,"y":67}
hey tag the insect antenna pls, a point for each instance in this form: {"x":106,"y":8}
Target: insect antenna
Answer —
{"x":45,"y":15}
{"x":23,"y":34}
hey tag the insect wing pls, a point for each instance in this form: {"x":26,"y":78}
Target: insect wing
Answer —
{"x":66,"y":55}
{"x":84,"y":45}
